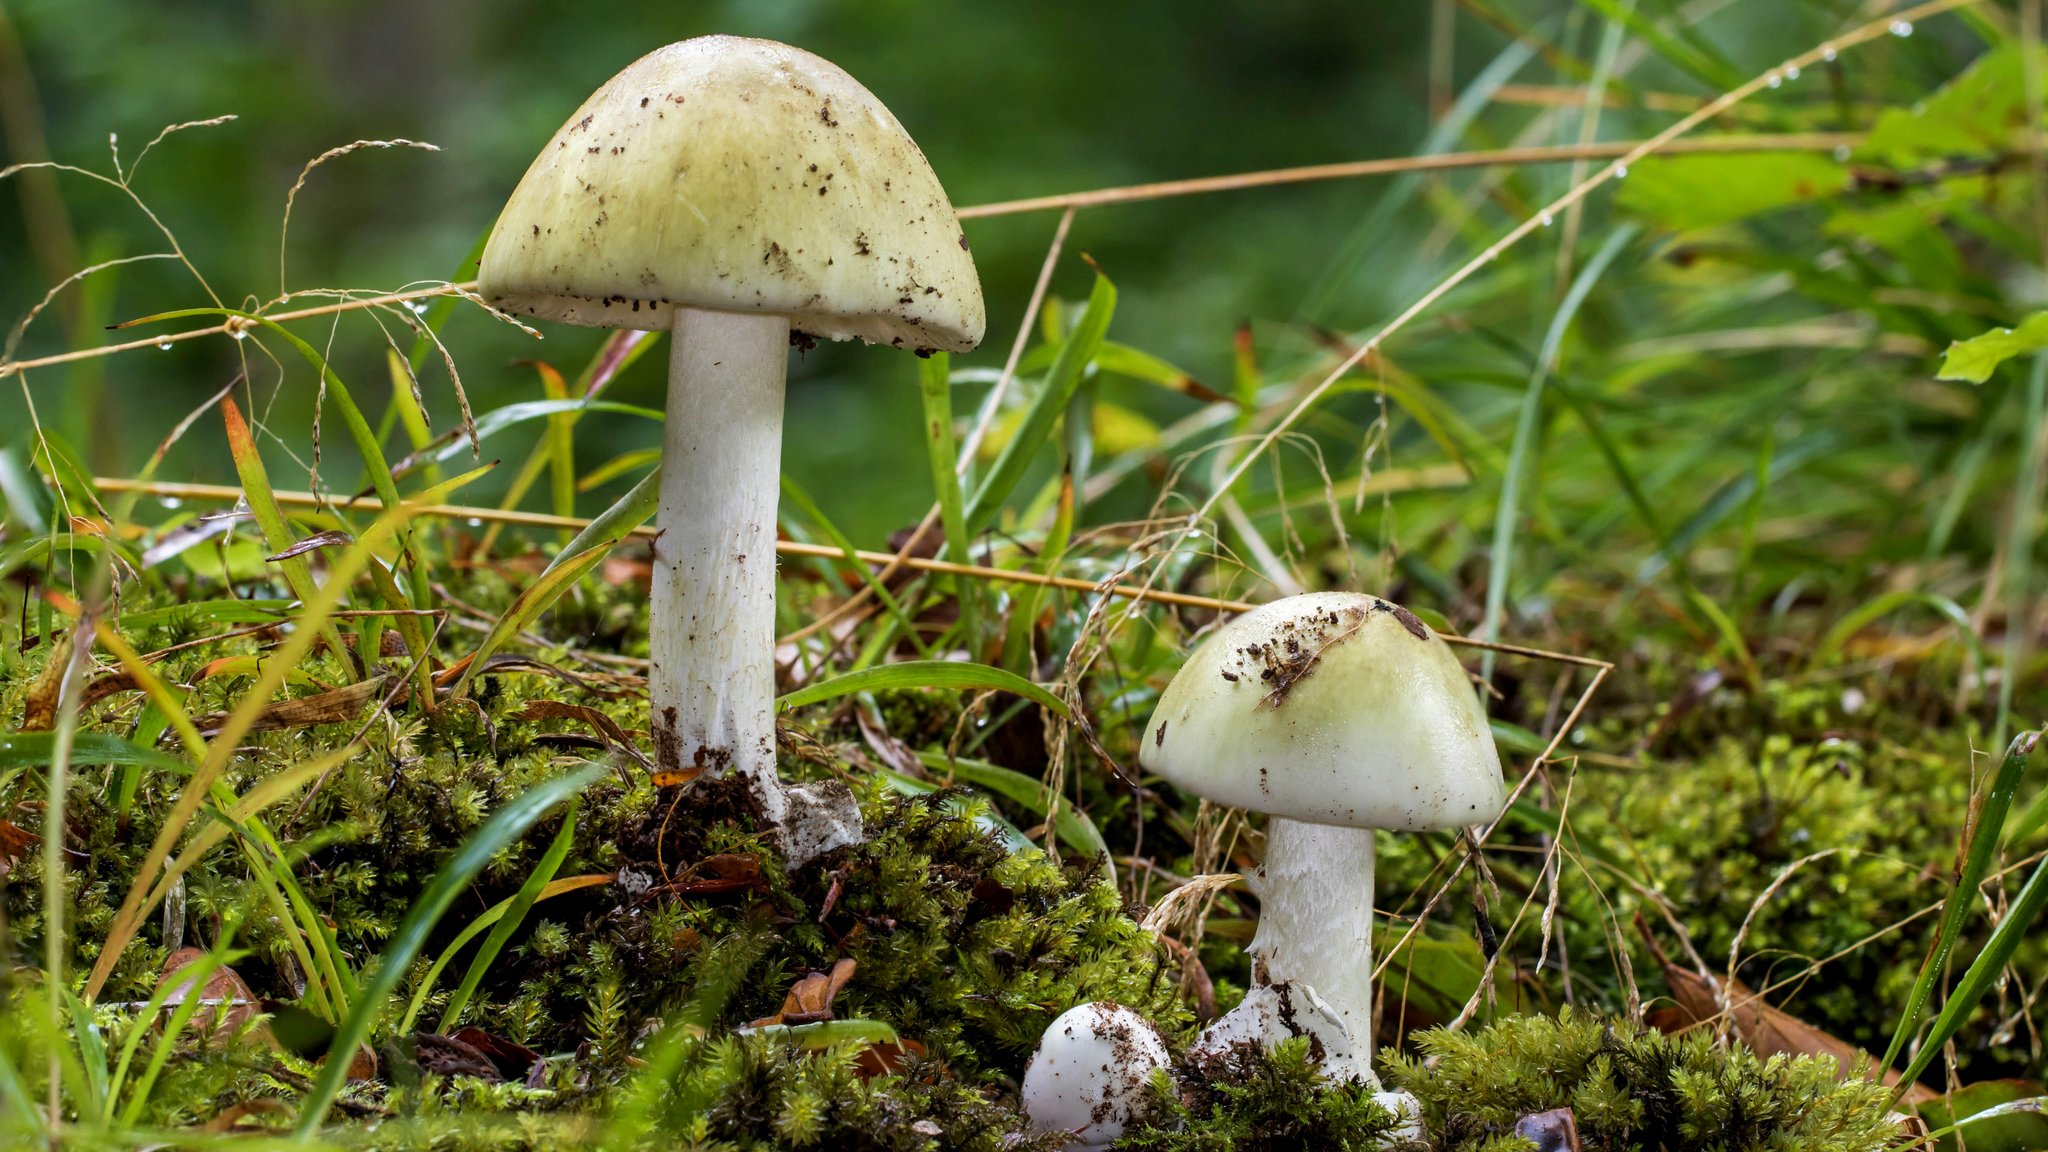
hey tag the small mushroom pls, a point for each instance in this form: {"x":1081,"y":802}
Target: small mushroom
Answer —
{"x":744,"y":195}
{"x":1336,"y":714}
{"x":1089,"y":1075}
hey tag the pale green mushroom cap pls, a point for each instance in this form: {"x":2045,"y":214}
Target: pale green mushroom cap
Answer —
{"x":737,"y":175}
{"x":1329,"y":708}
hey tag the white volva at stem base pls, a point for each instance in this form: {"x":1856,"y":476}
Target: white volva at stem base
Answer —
{"x":1315,"y":925}
{"x":711,"y":689}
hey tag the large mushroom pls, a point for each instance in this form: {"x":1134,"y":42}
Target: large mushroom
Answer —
{"x":1335,"y":714}
{"x":745,"y":195}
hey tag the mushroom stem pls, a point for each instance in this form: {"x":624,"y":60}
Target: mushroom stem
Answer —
{"x":711,"y":689}
{"x":1315,"y":925}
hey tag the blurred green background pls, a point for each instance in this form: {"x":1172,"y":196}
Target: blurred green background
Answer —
{"x":1007,"y":99}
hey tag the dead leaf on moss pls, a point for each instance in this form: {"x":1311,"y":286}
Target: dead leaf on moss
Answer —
{"x":230,"y":1119}
{"x":810,"y":999}
{"x":1770,"y":1031}
{"x":886,"y":1059}
{"x":607,"y":728}
{"x":334,"y":706}
{"x":227,"y":1003}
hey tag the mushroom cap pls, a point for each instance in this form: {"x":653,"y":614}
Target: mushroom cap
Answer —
{"x":1330,"y":708}
{"x":1089,"y":1075}
{"x":739,"y":175}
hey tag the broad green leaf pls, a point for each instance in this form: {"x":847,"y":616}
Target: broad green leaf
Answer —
{"x":1681,"y":192}
{"x":1977,"y":114}
{"x":2006,"y":1129}
{"x":922,"y":674}
{"x":1975,"y":359}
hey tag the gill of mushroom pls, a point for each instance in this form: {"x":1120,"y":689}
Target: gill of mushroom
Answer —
{"x":1335,"y":714}
{"x":744,"y":195}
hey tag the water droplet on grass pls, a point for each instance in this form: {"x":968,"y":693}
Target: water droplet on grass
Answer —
{"x":1902,"y":27}
{"x":163,"y":346}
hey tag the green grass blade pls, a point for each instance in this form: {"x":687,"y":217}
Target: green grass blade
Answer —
{"x":1879,"y":607}
{"x":626,"y":513}
{"x":934,"y":377}
{"x":504,"y":827}
{"x":795,"y":494}
{"x":922,"y":674}
{"x":2021,"y":538}
{"x":1074,"y":827}
{"x":1520,"y":467}
{"x":522,"y":901}
{"x":36,"y":749}
{"x":277,"y":532}
{"x":1982,"y":974}
{"x":527,"y":607}
{"x":1983,"y":852}
{"x":92,"y":1053}
{"x":1046,"y":408}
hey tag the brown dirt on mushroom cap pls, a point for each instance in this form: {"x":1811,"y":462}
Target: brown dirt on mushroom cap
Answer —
{"x":1296,"y":648}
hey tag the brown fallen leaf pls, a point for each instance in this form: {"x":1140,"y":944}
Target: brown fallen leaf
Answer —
{"x":448,"y":1056}
{"x":676,"y":778}
{"x":603,"y":725}
{"x":39,"y":710}
{"x":885,"y":1059}
{"x":514,"y":1060}
{"x":1768,"y":1030}
{"x":227,"y":1003}
{"x":104,"y":686}
{"x":810,"y":999}
{"x":230,"y":1119}
{"x":14,"y":841}
{"x":333,"y":706}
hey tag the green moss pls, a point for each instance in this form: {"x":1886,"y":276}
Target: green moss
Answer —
{"x":1632,"y":1088}
{"x":1249,"y":1100}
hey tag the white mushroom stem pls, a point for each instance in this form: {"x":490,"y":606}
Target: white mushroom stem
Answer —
{"x":711,"y":691}
{"x":1315,"y":925}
